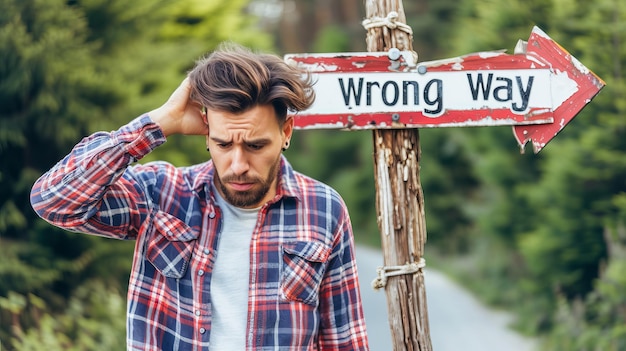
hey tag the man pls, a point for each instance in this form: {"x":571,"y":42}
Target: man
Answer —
{"x":238,"y":253}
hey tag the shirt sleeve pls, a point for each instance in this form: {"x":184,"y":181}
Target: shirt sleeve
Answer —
{"x":93,"y":190}
{"x":341,"y":310}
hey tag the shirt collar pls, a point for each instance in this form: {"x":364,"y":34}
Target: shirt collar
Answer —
{"x":287,"y":182}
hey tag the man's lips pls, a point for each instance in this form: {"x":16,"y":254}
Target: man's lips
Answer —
{"x":241,"y":186}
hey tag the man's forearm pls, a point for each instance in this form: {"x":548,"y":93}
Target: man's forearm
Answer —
{"x":67,"y":195}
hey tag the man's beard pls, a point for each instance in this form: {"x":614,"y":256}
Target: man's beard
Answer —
{"x":249,"y":198}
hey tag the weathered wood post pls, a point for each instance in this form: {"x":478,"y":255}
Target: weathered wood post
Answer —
{"x":399,"y":197}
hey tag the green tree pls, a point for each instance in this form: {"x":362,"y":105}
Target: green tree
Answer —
{"x":597,"y":322}
{"x":70,"y":68}
{"x":544,"y":216}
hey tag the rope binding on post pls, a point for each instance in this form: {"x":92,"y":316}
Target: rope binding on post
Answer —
{"x":389,"y":22}
{"x":391,"y":271}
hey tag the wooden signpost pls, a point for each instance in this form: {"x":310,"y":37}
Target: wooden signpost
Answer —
{"x":537,"y":90}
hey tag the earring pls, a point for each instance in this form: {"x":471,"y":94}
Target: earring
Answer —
{"x":286,"y":145}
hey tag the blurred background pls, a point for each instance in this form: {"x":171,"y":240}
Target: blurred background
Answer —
{"x":542,"y":236}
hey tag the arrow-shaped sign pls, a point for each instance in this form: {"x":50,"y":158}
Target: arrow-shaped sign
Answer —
{"x":537,"y":90}
{"x":588,"y":85}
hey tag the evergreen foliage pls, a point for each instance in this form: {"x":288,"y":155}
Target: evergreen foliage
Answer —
{"x":546,"y":216}
{"x":69,"y":68}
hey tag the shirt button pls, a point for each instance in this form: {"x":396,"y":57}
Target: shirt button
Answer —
{"x":212,"y":215}
{"x":201,"y":272}
{"x":197,"y":312}
{"x":202,"y":330}
{"x":206,"y":251}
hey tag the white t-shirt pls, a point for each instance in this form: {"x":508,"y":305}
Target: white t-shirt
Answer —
{"x":230,"y":279}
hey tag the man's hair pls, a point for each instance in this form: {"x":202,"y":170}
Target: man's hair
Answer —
{"x":234,"y":79}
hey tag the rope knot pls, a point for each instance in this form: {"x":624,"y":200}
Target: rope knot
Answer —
{"x":390,"y":22}
{"x":390,"y":271}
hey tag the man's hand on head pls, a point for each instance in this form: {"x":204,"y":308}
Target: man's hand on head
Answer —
{"x":179,"y":114}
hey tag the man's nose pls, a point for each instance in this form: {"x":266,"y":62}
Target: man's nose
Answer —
{"x":239,"y":164}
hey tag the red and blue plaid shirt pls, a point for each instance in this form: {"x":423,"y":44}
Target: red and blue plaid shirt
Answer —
{"x":303,"y":292}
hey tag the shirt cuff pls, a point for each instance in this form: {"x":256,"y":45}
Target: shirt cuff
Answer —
{"x":140,"y":136}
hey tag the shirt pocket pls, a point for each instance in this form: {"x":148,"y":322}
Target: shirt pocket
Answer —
{"x":170,"y":245}
{"x":304,"y":264}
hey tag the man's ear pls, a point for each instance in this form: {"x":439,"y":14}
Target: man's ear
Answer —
{"x":288,"y":128}
{"x":205,"y":118}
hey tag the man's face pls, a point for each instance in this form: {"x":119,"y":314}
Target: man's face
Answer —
{"x":246,"y":149}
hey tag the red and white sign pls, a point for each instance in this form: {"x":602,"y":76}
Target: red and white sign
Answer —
{"x":537,"y":90}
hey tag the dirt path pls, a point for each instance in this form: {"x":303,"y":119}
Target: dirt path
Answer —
{"x":458,"y":321}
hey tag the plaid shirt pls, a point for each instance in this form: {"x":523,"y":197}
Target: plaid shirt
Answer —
{"x":303,"y":292}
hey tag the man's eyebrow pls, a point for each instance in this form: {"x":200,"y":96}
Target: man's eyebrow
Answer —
{"x":219,"y":141}
{"x":259,"y":141}
{"x":251,"y":141}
